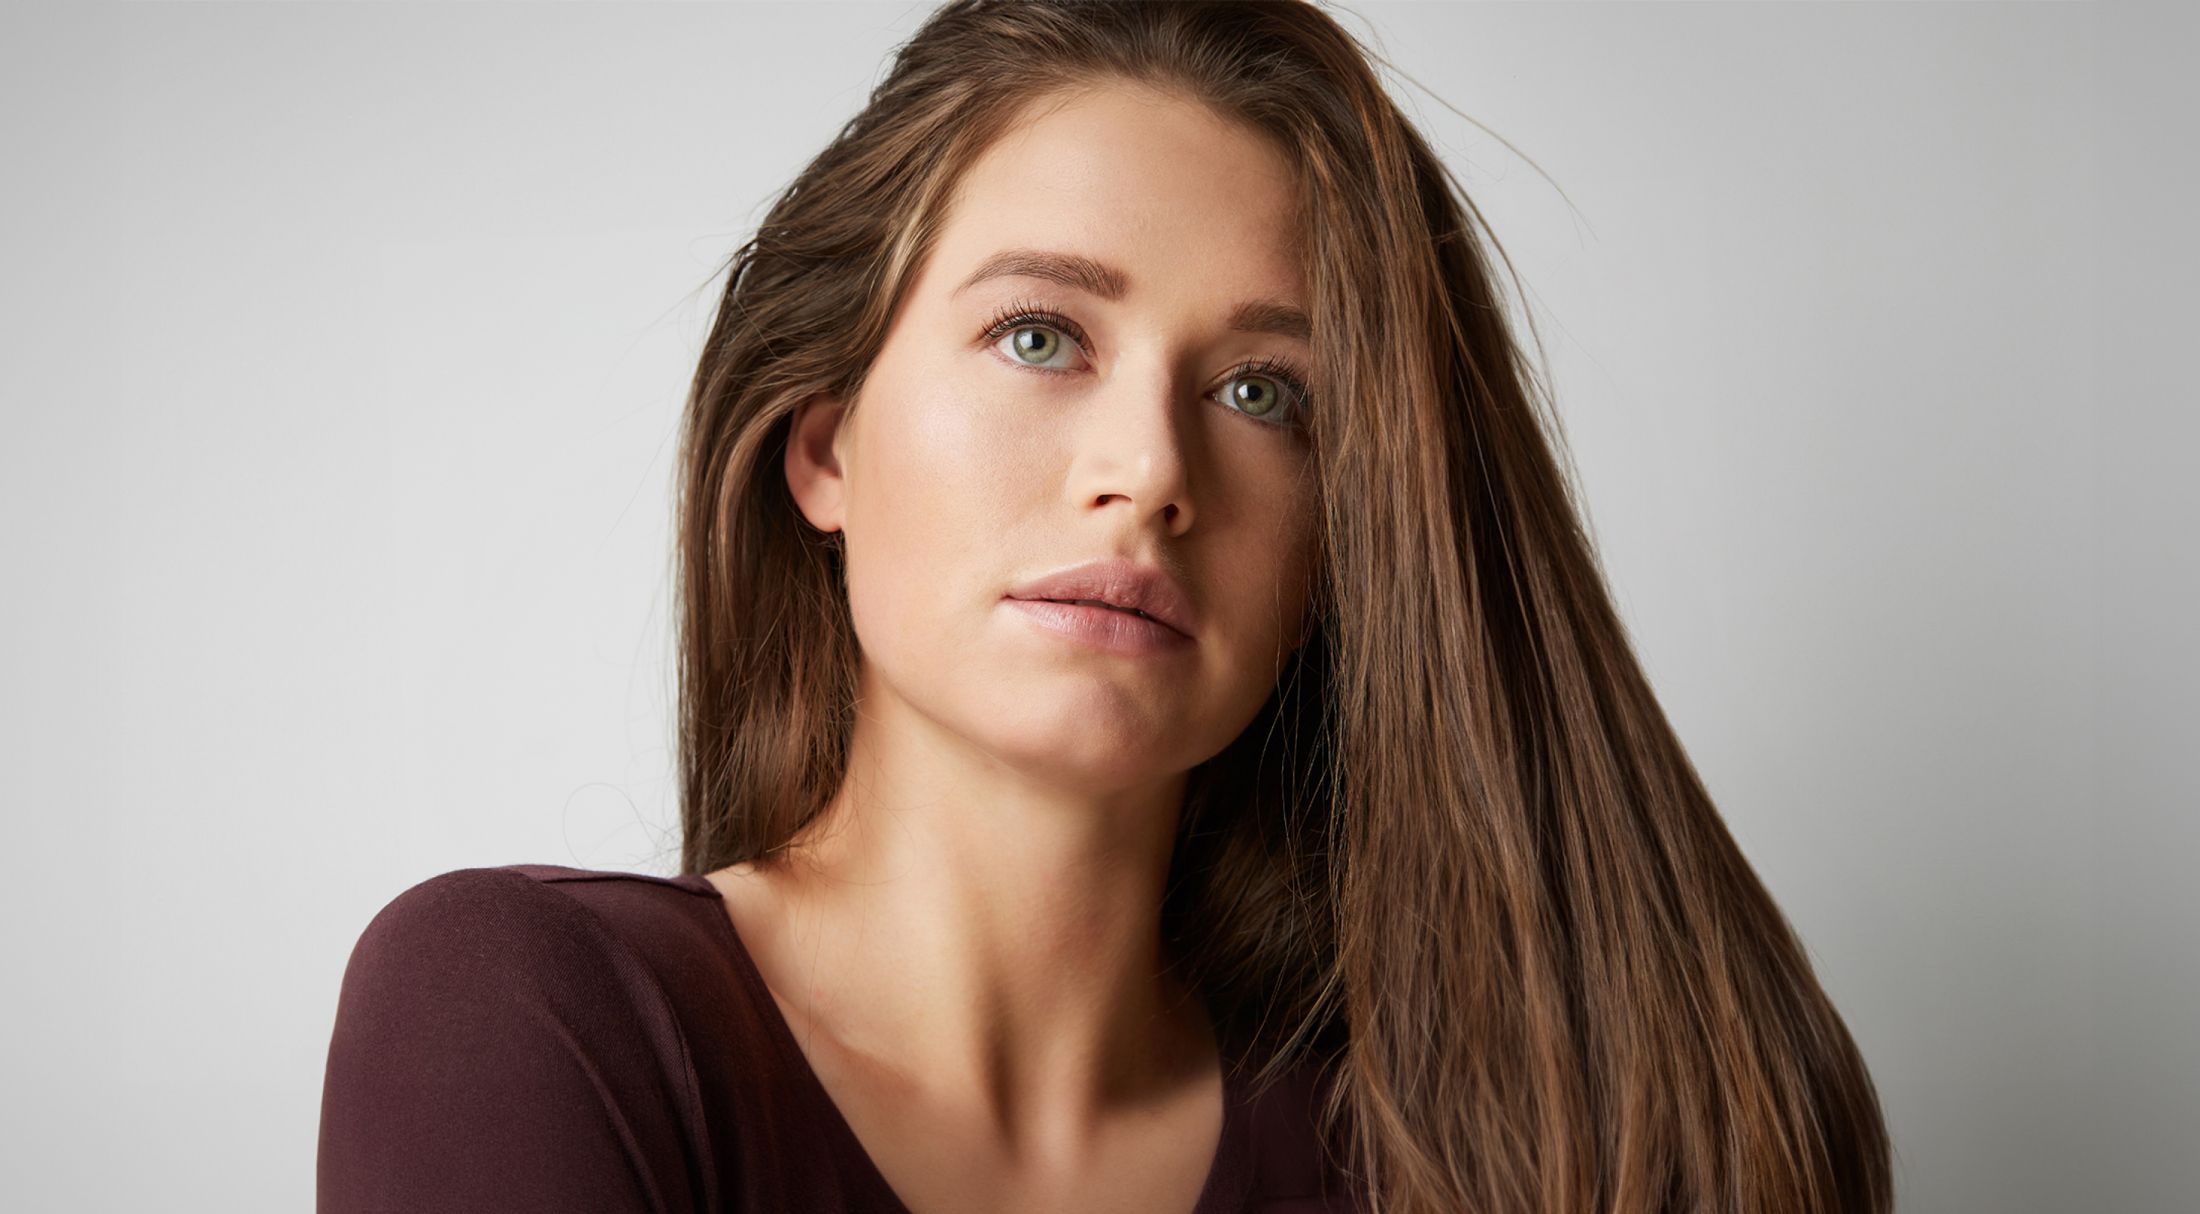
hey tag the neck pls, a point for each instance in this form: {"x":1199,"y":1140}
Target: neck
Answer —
{"x":975,"y":926}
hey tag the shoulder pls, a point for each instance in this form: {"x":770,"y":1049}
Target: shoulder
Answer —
{"x":1301,"y":1156}
{"x":513,"y":969}
{"x":510,"y":916}
{"x":516,"y":891}
{"x":490,"y":1026}
{"x":642,"y":958}
{"x":467,"y":953}
{"x":451,"y":910}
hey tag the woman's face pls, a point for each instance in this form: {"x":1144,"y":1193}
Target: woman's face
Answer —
{"x":1124,"y":425}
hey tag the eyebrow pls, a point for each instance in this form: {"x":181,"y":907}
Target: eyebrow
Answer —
{"x":1077,"y":271}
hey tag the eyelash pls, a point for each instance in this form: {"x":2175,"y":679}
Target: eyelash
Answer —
{"x":1024,"y":314}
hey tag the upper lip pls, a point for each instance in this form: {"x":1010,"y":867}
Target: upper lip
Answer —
{"x":1119,"y":583}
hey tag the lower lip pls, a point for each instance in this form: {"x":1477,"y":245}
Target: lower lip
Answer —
{"x":1104,"y":628}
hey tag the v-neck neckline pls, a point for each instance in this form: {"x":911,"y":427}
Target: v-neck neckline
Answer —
{"x":1221,"y":1191}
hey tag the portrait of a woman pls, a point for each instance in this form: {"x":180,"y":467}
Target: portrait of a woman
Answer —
{"x":1154,"y":732}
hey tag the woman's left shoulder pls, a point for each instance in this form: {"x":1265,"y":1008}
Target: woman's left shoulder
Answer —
{"x":1300,"y":1164}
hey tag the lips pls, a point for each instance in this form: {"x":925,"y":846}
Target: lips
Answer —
{"x":1097,"y":603}
{"x":1119,"y":584}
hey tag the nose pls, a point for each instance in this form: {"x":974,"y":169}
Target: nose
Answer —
{"x":1131,"y":452}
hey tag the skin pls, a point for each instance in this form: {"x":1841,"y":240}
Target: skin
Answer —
{"x":968,"y":940}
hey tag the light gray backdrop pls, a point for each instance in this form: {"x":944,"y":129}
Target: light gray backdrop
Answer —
{"x":345,"y":345}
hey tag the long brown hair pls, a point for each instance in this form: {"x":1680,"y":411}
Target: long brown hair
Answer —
{"x":1460,"y":859}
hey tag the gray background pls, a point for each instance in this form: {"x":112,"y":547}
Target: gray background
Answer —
{"x":345,"y":345}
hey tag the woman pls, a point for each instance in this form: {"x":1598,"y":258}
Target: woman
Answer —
{"x":1154,"y":735}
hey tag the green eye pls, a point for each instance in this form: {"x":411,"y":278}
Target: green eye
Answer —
{"x":1037,"y":341}
{"x":1036,"y":333}
{"x":1254,"y":394}
{"x":1266,"y":389}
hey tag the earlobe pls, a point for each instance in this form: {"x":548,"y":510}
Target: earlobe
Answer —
{"x":814,"y":475}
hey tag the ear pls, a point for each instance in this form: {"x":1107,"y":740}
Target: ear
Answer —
{"x":813,"y":466}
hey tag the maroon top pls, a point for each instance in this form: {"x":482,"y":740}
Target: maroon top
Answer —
{"x":557,"y":1040}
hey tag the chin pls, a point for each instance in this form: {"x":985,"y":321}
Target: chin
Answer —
{"x":1064,"y":748}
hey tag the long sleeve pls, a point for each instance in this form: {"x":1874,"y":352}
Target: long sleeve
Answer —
{"x":496,"y":1048}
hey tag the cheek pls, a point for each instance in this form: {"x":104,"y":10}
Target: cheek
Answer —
{"x":1301,"y":570}
{"x":1272,"y":547}
{"x":925,"y":512}
{"x":1279,"y":602}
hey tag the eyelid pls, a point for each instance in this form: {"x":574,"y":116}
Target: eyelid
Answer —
{"x":1024,"y":314}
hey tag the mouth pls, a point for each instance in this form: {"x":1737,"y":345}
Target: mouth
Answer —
{"x":1106,"y":627}
{"x":1117,"y":586}
{"x":1110,"y":606}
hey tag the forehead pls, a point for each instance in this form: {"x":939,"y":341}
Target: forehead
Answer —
{"x":1178,"y":196}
